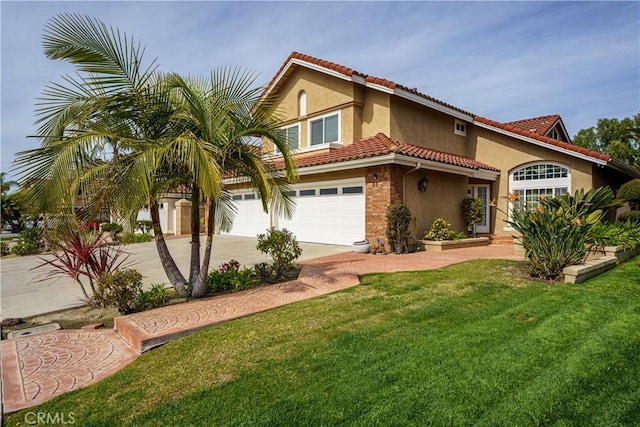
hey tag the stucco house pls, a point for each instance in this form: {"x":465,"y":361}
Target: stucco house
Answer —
{"x":364,"y":142}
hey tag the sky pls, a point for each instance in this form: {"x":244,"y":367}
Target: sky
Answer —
{"x":501,"y":60}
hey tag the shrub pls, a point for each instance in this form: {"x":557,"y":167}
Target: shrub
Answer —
{"x":144,"y":226}
{"x":4,"y":248}
{"x":281,"y":246}
{"x":630,"y":191}
{"x":624,"y":234}
{"x":441,"y":230}
{"x":633,"y":216}
{"x":119,"y":289}
{"x":555,"y":233}
{"x":473,"y":211}
{"x":112,"y":227}
{"x":129,"y":238}
{"x":398,"y":220}
{"x":263,"y":271}
{"x":153,"y":298}
{"x":230,"y":277}
{"x":29,"y":242}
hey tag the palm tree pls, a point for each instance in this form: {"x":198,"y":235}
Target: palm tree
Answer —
{"x":128,"y":134}
{"x":223,"y":113}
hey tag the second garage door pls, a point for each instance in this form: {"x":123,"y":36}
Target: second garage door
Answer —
{"x":328,"y":212}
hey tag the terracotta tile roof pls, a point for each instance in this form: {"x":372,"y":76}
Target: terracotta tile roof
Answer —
{"x":540,"y":125}
{"x":350,"y":72}
{"x":381,"y":145}
{"x":533,"y":135}
{"x":534,"y":128}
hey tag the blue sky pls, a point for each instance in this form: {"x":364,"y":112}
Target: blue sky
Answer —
{"x":501,"y":60}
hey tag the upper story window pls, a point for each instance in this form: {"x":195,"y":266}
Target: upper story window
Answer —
{"x":292,"y":135}
{"x":302,"y":104}
{"x":325,"y":129}
{"x":553,"y":133}
{"x":460,"y":128}
{"x":531,"y":182}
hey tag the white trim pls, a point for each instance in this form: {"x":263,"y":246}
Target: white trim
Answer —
{"x":381,"y":88}
{"x":431,"y":104}
{"x":304,"y":64}
{"x":462,"y":124}
{"x":540,"y":143}
{"x":539,"y":183}
{"x":299,"y":126}
{"x":486,"y":228}
{"x":317,"y":68}
{"x":355,"y":78}
{"x":398,"y":159}
{"x":322,"y":117}
{"x":302,"y":103}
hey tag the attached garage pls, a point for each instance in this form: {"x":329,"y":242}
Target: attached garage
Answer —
{"x":250,"y":219}
{"x":330,"y":212}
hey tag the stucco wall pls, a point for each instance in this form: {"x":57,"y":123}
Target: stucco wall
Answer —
{"x":364,"y":112}
{"x":508,"y":153}
{"x":443,"y":199}
{"x":418,"y":125}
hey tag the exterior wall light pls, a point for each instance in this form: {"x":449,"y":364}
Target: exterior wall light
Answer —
{"x":423,"y":184}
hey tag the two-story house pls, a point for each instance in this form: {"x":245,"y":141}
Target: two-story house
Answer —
{"x":363,"y":142}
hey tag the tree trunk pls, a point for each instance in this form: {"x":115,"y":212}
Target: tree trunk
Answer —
{"x":200,"y":287}
{"x":168,"y":264}
{"x":194,"y":267}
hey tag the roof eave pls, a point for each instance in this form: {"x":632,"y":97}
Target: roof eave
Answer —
{"x":431,"y":104}
{"x":394,"y":158}
{"x":621,"y":166}
{"x":540,"y":143}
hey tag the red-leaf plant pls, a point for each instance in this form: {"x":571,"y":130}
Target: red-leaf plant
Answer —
{"x":83,"y":253}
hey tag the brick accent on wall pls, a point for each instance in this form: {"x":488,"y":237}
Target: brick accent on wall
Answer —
{"x":383,"y":187}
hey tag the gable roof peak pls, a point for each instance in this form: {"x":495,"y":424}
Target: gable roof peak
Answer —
{"x":297,"y":59}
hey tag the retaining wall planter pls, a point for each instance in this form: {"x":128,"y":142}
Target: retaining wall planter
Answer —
{"x":581,"y":272}
{"x":619,"y":252}
{"x":444,"y":245}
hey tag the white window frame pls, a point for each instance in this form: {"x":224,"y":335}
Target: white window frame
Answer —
{"x":538,"y":184}
{"x":297,"y":124}
{"x":322,"y":117}
{"x":302,"y":103}
{"x":460,"y":128}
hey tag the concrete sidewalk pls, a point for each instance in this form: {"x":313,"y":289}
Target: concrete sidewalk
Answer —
{"x":40,"y":367}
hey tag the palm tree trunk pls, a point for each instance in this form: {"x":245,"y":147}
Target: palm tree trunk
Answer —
{"x":168,"y":264}
{"x":200,"y":287}
{"x":194,"y":267}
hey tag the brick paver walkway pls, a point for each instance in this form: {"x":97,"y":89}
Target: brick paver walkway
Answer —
{"x":39,"y":367}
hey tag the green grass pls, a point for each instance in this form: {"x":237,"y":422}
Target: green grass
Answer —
{"x":474,"y":343}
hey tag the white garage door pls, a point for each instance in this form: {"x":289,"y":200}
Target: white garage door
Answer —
{"x":250,"y":219}
{"x":328,"y":212}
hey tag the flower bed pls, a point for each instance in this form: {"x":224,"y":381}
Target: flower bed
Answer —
{"x":444,"y":245}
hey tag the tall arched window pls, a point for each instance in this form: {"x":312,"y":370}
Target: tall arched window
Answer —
{"x":302,"y":103}
{"x":531,"y":181}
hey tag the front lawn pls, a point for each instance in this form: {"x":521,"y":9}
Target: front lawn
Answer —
{"x":471,"y":343}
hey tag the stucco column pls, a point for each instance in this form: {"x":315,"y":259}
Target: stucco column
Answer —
{"x":183,"y":217}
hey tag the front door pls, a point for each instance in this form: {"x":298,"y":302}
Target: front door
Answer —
{"x":481,"y":191}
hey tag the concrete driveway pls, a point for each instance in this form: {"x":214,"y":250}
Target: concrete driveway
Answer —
{"x":21,"y":296}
